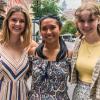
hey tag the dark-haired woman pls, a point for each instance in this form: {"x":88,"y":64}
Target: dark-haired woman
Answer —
{"x":50,"y":64}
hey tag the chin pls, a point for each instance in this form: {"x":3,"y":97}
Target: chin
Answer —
{"x":50,"y":41}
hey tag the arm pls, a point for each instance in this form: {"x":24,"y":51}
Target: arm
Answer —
{"x":31,"y":53}
{"x":32,"y":48}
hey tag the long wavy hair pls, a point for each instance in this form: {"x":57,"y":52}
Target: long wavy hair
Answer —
{"x":26,"y":34}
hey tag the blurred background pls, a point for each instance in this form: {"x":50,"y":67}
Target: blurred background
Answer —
{"x":38,"y":8}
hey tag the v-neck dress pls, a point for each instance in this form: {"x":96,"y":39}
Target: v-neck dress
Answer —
{"x":12,"y":76}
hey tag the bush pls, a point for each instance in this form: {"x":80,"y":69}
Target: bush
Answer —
{"x":69,"y":27}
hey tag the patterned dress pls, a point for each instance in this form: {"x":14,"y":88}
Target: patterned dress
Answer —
{"x":12,"y":78}
{"x":49,"y":78}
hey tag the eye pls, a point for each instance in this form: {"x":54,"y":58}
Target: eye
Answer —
{"x":16,"y":20}
{"x":13,"y":20}
{"x":82,"y":21}
{"x":44,"y":28}
{"x":52,"y":27}
{"x":22,"y":21}
{"x":90,"y":20}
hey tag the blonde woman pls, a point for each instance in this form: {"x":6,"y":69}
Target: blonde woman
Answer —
{"x":15,"y":41}
{"x":86,"y":55}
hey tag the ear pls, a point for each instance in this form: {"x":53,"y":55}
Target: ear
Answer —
{"x":98,"y":20}
{"x":98,"y":27}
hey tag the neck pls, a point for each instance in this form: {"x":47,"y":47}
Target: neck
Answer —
{"x":92,"y":38}
{"x":51,"y":50}
{"x":13,"y":43}
{"x":51,"y":46}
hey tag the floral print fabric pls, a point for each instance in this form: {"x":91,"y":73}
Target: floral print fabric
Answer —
{"x":49,"y":80}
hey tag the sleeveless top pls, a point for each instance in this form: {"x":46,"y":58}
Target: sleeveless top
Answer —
{"x":49,"y":78}
{"x":12,"y":76}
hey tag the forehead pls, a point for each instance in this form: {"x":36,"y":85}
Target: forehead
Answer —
{"x":86,"y":14}
{"x":48,"y":21}
{"x":18,"y":15}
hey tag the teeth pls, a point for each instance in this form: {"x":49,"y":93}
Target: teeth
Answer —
{"x":49,"y":37}
{"x":17,"y":28}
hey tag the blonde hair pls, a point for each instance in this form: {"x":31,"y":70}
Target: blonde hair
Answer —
{"x":90,"y":6}
{"x":27,"y":33}
{"x":94,"y":11}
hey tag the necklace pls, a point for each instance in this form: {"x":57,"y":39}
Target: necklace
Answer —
{"x":89,"y":51}
{"x":91,"y":48}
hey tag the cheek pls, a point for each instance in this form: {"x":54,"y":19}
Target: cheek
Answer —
{"x":58,"y":31}
{"x":79,"y":26}
{"x":42,"y":33}
{"x":57,"y":34}
{"x":10,"y":25}
{"x":95,"y":25}
{"x":23,"y":25}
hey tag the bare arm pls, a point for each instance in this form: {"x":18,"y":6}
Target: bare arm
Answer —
{"x":31,"y":52}
{"x":32,"y":48}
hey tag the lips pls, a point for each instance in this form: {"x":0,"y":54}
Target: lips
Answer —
{"x":87,"y":30}
{"x":17,"y":29}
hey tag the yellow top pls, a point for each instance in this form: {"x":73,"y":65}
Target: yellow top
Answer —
{"x":87,"y":58}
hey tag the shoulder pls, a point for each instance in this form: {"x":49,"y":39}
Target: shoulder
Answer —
{"x":32,"y":48}
{"x":0,"y":36}
{"x":34,"y":44}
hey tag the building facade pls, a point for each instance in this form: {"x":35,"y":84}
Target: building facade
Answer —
{"x":69,"y":13}
{"x":88,"y":1}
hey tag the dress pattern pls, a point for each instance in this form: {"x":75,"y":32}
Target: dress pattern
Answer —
{"x":81,"y":91}
{"x":12,"y":76}
{"x":49,"y":79}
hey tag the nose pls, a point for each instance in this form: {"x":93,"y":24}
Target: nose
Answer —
{"x":86,"y":24}
{"x":17,"y":22}
{"x":48,"y":31}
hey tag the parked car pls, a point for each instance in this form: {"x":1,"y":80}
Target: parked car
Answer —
{"x":68,"y":37}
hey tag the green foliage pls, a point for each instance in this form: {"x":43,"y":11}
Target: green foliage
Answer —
{"x":69,"y":27}
{"x":44,"y":7}
{"x":63,"y":18}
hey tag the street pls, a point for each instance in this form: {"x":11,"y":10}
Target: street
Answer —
{"x":69,"y":45}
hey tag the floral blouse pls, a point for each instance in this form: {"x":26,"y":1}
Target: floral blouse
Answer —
{"x":49,"y":78}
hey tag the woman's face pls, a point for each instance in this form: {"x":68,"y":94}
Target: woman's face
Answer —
{"x":87,"y":23}
{"x":16,"y":23}
{"x":50,"y":30}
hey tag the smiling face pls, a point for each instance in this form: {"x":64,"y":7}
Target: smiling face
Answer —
{"x":50,"y":30}
{"x":16,"y":23}
{"x":87,"y":22}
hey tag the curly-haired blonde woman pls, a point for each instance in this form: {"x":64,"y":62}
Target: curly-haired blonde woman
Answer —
{"x":86,"y":55}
